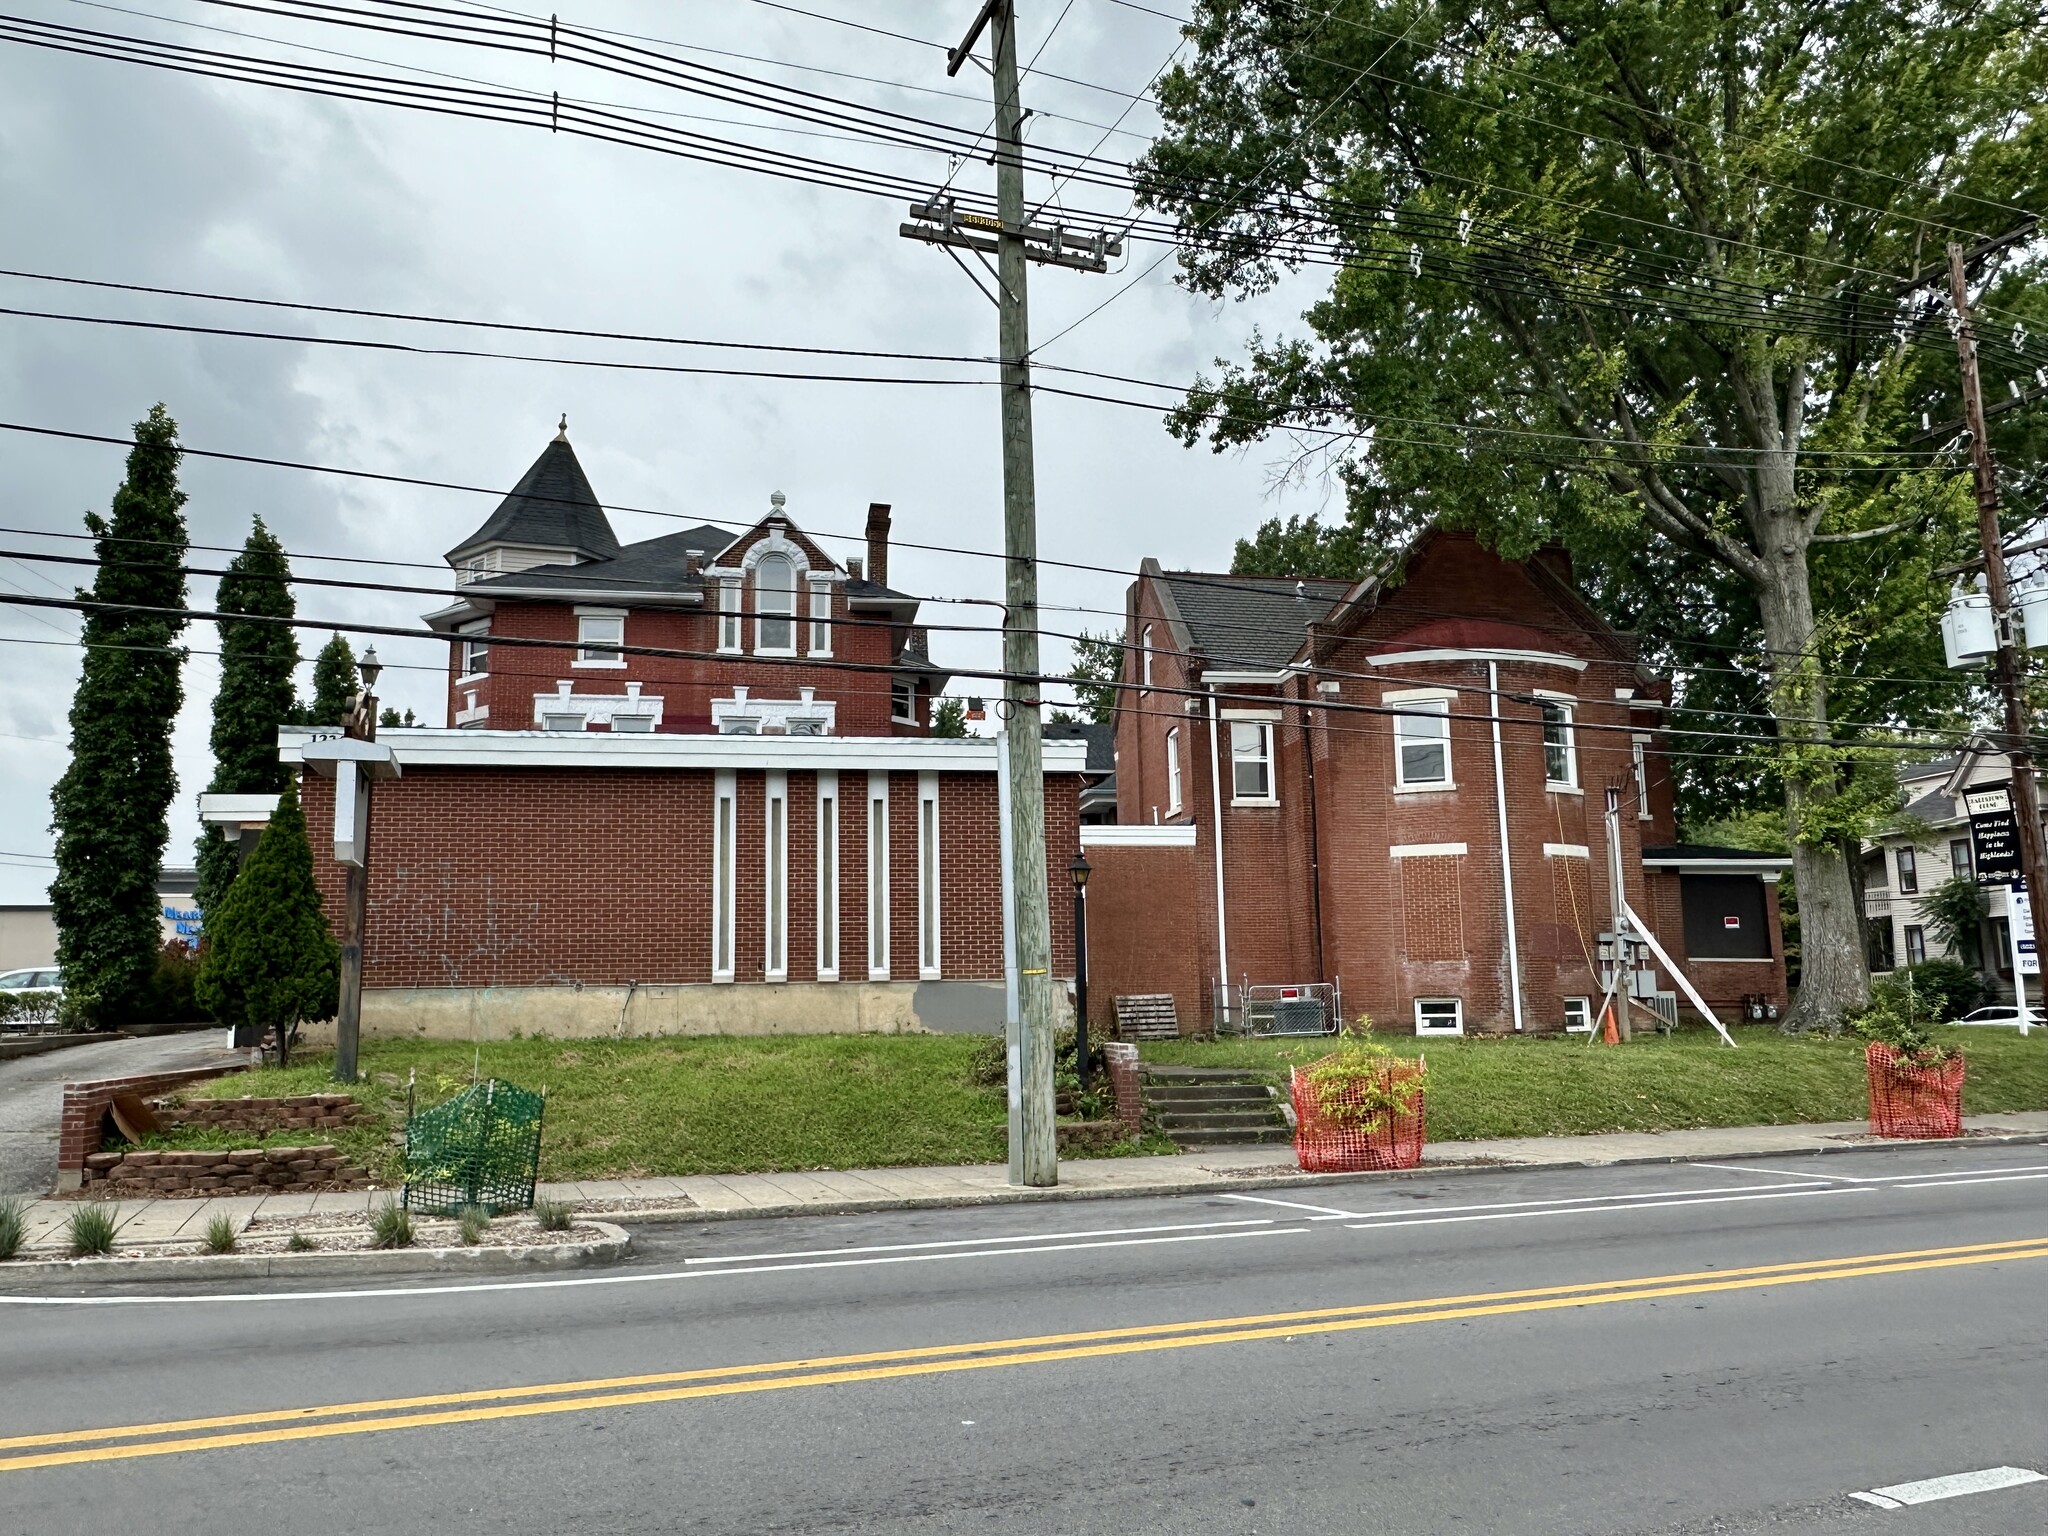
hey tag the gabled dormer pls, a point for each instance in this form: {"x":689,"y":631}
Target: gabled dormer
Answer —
{"x":552,"y":517}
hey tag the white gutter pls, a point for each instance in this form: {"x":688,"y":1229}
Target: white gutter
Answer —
{"x":1216,"y":805}
{"x":1507,"y":869}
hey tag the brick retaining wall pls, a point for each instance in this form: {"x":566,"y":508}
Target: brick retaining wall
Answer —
{"x":310,"y":1111}
{"x":269,"y":1170}
{"x":84,"y":1115}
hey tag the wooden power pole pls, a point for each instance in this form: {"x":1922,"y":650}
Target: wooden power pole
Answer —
{"x":2026,"y":795}
{"x":1034,"y":1156}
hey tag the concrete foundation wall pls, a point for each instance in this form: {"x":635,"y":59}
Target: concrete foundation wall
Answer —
{"x":583,"y":1013}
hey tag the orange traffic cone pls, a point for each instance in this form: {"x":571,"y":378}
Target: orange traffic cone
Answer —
{"x":1609,"y":1035}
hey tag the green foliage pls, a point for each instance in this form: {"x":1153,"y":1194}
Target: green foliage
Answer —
{"x":33,"y":1011}
{"x":1934,"y":991}
{"x":949,"y":717}
{"x":1098,"y":663}
{"x":259,"y":660}
{"x":1357,"y":1085}
{"x":298,"y":1242}
{"x":91,"y":1230}
{"x":110,"y":809}
{"x":1956,"y":912}
{"x":335,"y":682}
{"x":13,"y":1225}
{"x":472,"y":1222}
{"x":174,"y":990}
{"x":270,"y":959}
{"x":1305,"y":546}
{"x":220,"y":1234}
{"x":1898,"y":1016}
{"x":990,"y":1064}
{"x":553,"y":1215}
{"x":392,"y":718}
{"x":391,"y":1226}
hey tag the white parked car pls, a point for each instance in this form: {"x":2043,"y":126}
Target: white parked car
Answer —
{"x":2003,"y":1015}
{"x":41,"y":981}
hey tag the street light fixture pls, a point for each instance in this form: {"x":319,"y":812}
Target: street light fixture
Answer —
{"x":1080,"y":870}
{"x":370,"y":667}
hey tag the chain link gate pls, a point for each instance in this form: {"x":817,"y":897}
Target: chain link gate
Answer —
{"x":1304,"y":1008}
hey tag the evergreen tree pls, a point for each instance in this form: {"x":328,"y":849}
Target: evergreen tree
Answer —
{"x":256,"y":696}
{"x":110,"y":808}
{"x":271,"y":960}
{"x":334,"y":683}
{"x":949,"y":717}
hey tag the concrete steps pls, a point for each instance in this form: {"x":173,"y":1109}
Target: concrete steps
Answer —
{"x":1214,"y":1106}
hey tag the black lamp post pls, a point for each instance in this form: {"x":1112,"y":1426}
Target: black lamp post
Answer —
{"x":1079,"y":869}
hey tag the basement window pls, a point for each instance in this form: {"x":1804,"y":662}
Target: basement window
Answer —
{"x":1439,"y":1016}
{"x":1578,"y":1015}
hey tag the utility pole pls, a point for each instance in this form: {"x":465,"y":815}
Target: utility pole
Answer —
{"x":2026,"y":795}
{"x":361,"y":725}
{"x":1034,"y":1155}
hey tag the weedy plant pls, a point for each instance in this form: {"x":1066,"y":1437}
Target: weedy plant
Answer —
{"x":298,"y":1242}
{"x":391,"y":1226}
{"x":92,"y":1228}
{"x":220,"y":1234}
{"x":473,"y":1221}
{"x":13,"y":1225}
{"x":553,"y":1215}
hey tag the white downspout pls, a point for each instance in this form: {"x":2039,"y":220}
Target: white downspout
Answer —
{"x":1507,"y":869}
{"x":1216,"y":805}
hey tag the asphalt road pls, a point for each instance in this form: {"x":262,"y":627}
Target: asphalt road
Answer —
{"x":1667,"y":1350}
{"x":32,"y":1094}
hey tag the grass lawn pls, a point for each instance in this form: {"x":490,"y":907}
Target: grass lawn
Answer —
{"x":647,"y":1107}
{"x":1546,"y":1086}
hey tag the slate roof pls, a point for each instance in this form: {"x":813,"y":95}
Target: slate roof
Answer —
{"x":1101,"y":741}
{"x":552,"y":507}
{"x":1252,"y":622}
{"x":652,"y":565}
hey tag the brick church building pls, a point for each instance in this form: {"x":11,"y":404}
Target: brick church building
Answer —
{"x":1400,"y":788}
{"x":690,"y":787}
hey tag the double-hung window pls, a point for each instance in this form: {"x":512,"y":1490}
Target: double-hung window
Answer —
{"x":1640,"y":758}
{"x":903,"y":702}
{"x":476,"y":648}
{"x":1959,"y":860}
{"x":1173,"y":771}
{"x":1422,"y":744}
{"x":775,"y":604}
{"x":599,"y":637}
{"x":729,"y":614}
{"x":1909,"y":871}
{"x":1560,"y":753}
{"x":821,"y":618}
{"x":1251,"y":761}
{"x":1916,"y":944}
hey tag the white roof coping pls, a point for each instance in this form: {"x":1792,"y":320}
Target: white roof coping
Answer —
{"x":236,"y":810}
{"x":1178,"y":835}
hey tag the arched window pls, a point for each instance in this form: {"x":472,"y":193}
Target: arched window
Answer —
{"x":775,"y":604}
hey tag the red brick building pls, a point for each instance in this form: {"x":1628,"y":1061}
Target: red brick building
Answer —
{"x":1413,"y":785}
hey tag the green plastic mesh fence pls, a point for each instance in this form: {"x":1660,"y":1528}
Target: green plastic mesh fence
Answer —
{"x":481,"y":1147}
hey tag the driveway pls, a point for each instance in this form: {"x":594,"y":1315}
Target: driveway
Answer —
{"x":32,"y":1095}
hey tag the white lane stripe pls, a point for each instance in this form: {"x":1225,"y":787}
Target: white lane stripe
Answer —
{"x":1996,"y":1178}
{"x":1781,"y":1173}
{"x":1878,"y":1499}
{"x":982,"y":1242}
{"x":593,"y":1280}
{"x":1576,"y":1200}
{"x":1965,"y":1173}
{"x":1296,"y":1205}
{"x":1604,"y":1210}
{"x":1954,"y":1486}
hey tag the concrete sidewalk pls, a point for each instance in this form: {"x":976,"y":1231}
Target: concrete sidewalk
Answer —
{"x":154,"y":1223}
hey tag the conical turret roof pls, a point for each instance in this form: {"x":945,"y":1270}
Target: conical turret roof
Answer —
{"x":552,"y":507}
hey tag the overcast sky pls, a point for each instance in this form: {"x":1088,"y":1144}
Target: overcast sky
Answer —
{"x":119,"y":172}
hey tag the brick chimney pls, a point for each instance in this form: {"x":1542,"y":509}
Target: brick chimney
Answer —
{"x":853,"y":568}
{"x":693,"y":562}
{"x":878,"y":543}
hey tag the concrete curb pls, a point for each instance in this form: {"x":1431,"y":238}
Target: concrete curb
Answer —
{"x":1223,"y":1184}
{"x":615,"y":1244}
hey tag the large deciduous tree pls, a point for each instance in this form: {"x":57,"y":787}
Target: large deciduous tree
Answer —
{"x":1616,"y":273}
{"x":259,"y":656}
{"x":110,"y":809}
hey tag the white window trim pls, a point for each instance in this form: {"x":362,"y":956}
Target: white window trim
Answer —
{"x":1270,"y":756}
{"x":902,"y":687}
{"x":929,"y":880}
{"x":1567,"y":706}
{"x":1639,"y":753}
{"x":1585,"y":1011}
{"x":794,"y":617}
{"x":586,"y":663}
{"x":1458,"y":1028}
{"x":730,"y":620}
{"x":1173,"y":770}
{"x":475,"y":633}
{"x":1402,"y":785}
{"x":828,"y":876}
{"x":820,"y":615}
{"x":878,"y":876}
{"x":724,"y":892}
{"x":775,"y":861}
{"x":1145,"y":657}
{"x":1426,"y":850}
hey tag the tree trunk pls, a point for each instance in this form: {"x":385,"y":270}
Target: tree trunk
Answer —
{"x":1833,"y":974}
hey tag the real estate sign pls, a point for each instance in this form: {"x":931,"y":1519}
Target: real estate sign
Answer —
{"x":1994,"y":833}
{"x":2026,"y":954}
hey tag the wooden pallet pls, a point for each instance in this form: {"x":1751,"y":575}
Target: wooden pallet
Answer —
{"x":1147,"y":1016}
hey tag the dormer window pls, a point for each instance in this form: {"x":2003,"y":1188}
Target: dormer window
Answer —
{"x":478,"y":567}
{"x":775,"y":604}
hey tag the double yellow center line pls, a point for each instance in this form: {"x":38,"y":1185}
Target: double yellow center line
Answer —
{"x":22,"y":1453}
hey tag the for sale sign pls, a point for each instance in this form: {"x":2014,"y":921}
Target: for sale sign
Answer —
{"x":1994,"y":832}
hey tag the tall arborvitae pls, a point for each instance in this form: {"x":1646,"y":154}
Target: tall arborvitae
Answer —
{"x":111,"y":807}
{"x":334,"y":684}
{"x":258,"y":660}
